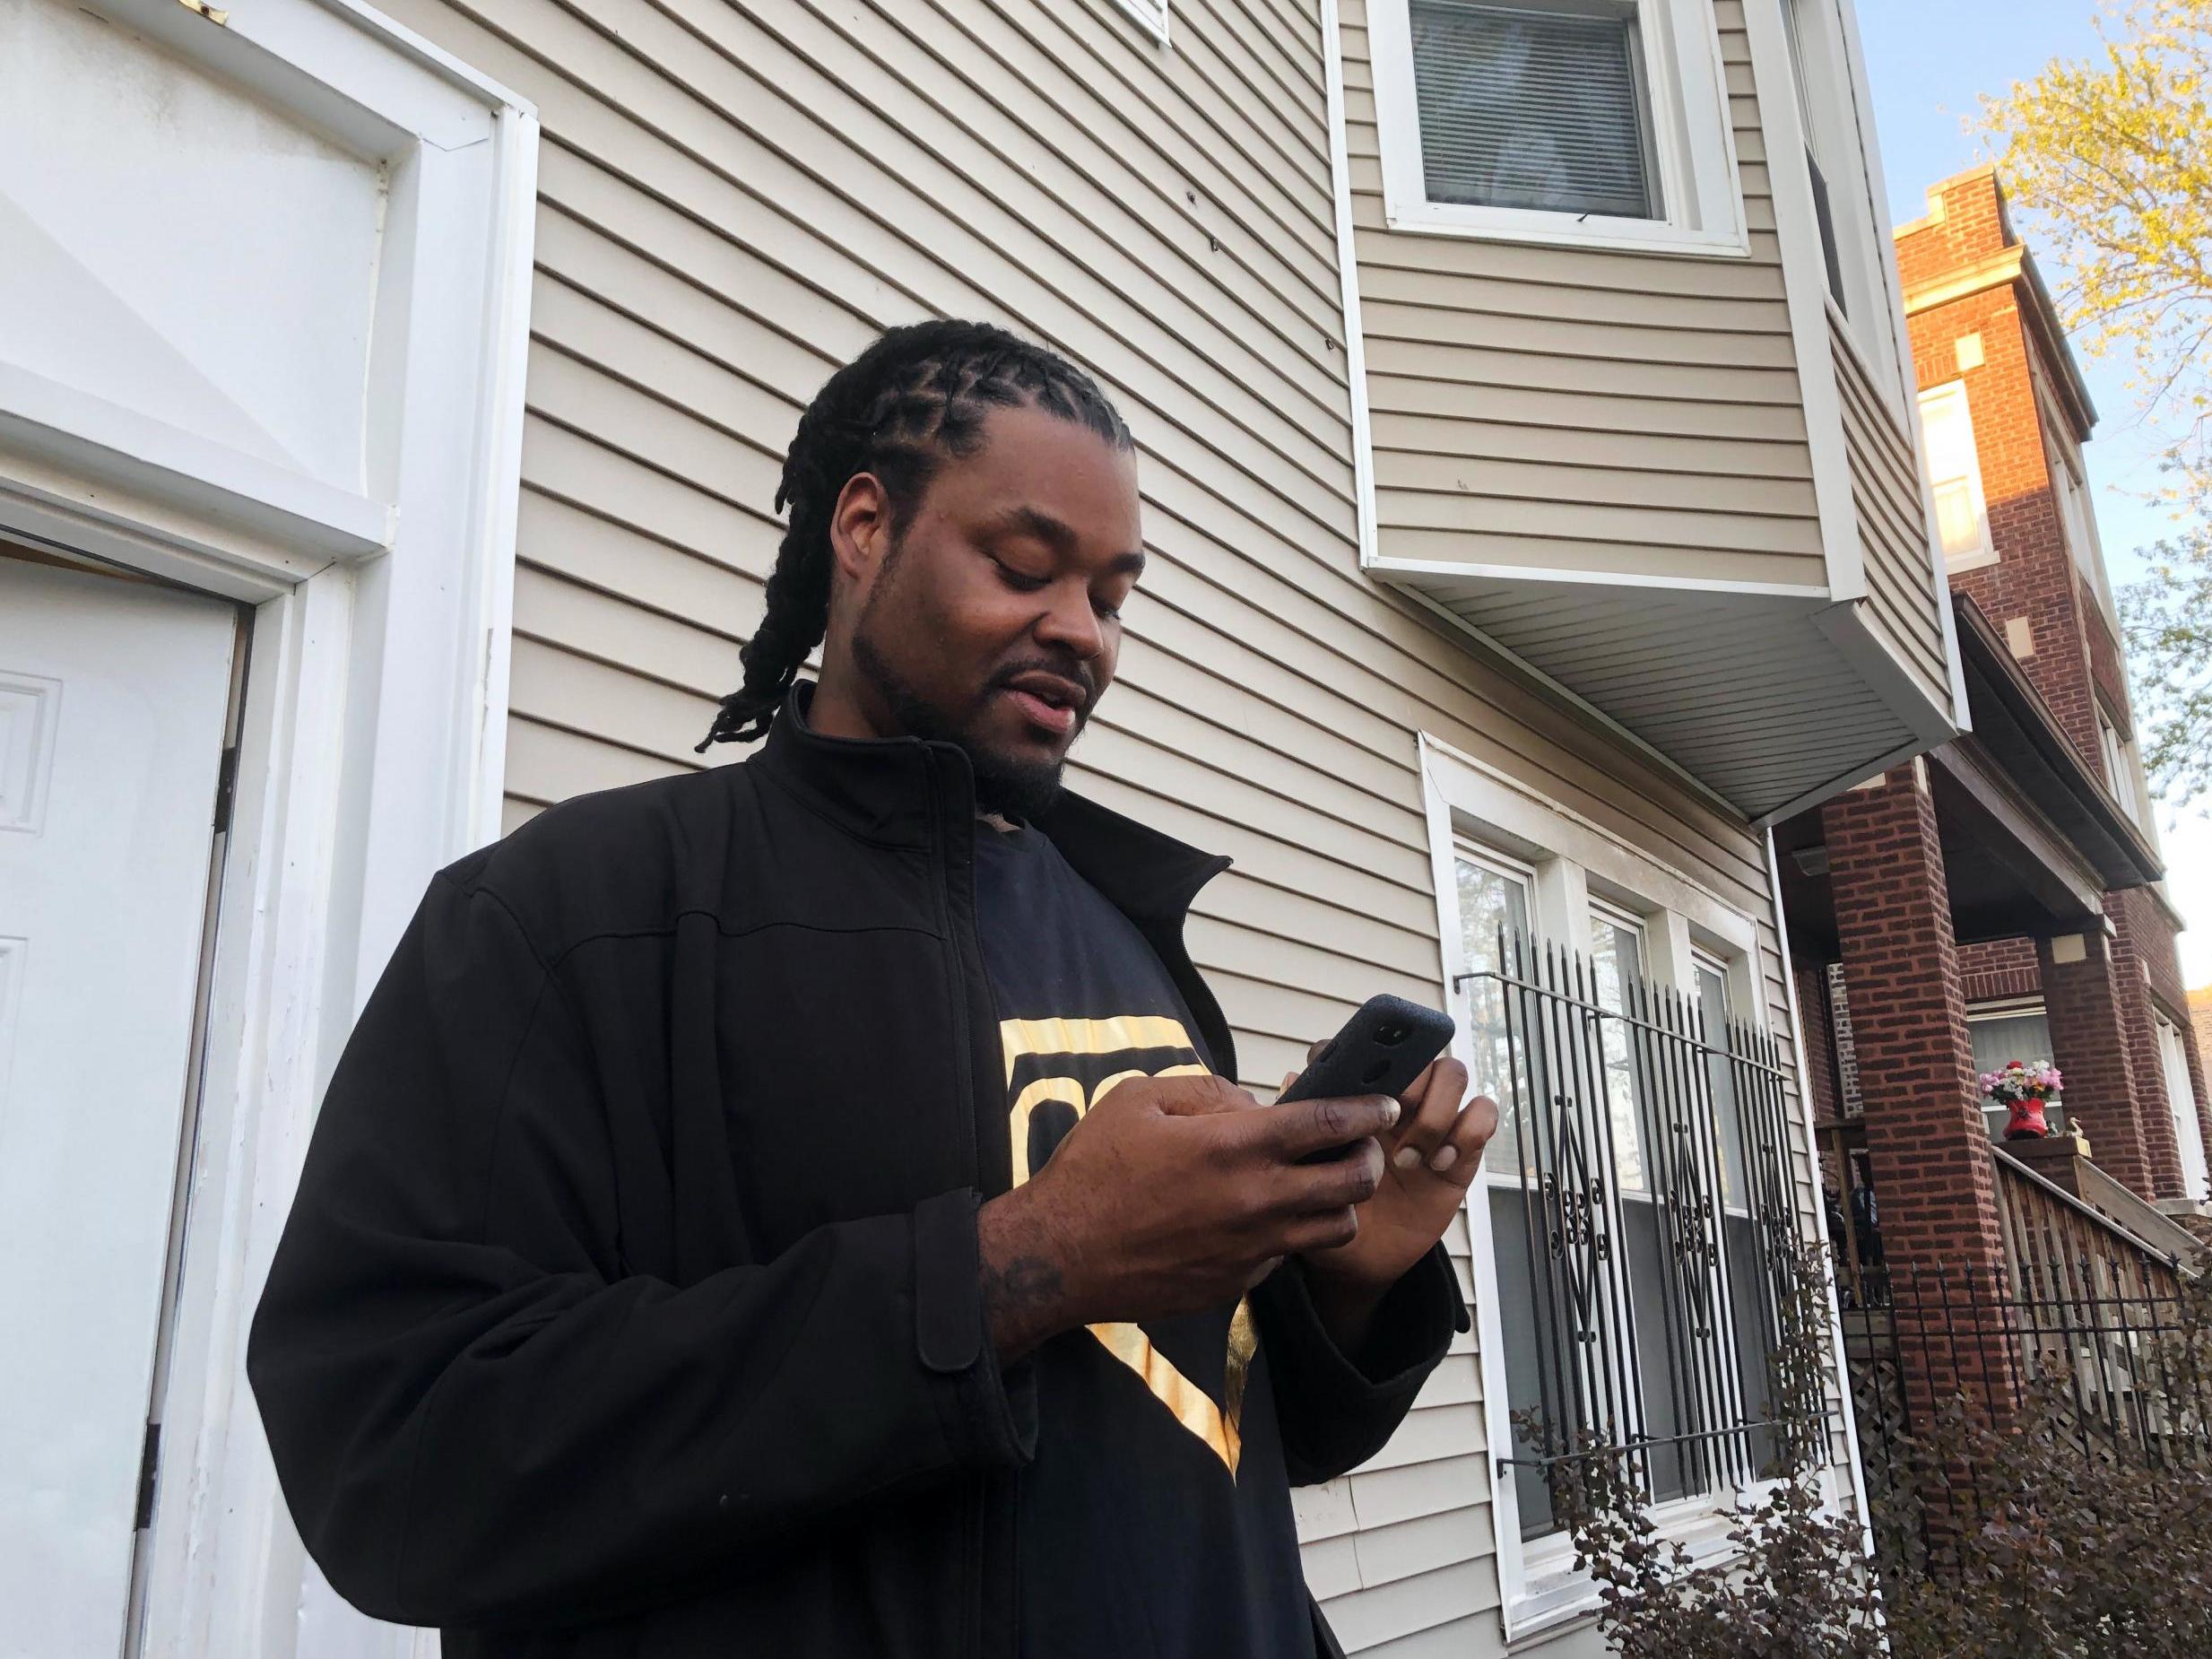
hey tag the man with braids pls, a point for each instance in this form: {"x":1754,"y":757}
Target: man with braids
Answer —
{"x":801,"y":1208}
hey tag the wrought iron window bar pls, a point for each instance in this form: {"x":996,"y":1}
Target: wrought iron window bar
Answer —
{"x":1592,"y":1339}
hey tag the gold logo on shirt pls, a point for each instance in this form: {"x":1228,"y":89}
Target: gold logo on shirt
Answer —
{"x":1030,"y":1045}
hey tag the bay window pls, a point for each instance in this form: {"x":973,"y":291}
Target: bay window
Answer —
{"x":1598,"y":122}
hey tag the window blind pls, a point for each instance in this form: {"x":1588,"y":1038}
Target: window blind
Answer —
{"x":1533,"y":108}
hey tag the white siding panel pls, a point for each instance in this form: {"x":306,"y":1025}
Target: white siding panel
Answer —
{"x":1893,"y":528}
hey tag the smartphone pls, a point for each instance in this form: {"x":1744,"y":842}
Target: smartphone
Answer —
{"x":1383,"y":1048}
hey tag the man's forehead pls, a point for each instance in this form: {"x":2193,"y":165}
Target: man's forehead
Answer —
{"x":1048,"y":478}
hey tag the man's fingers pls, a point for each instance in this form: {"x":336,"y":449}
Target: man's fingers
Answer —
{"x":1352,"y":1179}
{"x":1324,"y":1232}
{"x":1432,"y":1106}
{"x":1461,"y":1152}
{"x":1290,"y":1133}
{"x":1200,"y":1096}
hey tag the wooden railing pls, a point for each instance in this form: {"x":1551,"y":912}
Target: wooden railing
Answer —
{"x":2058,"y":1248}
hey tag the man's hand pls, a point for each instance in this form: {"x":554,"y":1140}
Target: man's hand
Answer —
{"x":1430,"y":1158}
{"x":1172,"y":1195}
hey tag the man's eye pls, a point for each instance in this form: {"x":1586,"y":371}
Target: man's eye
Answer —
{"x":1107,"y":609}
{"x":1020,"y":581}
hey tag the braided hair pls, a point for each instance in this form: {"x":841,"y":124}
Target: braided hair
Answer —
{"x":917,"y":395}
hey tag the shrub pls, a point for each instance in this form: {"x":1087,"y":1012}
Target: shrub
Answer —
{"x":2046,"y":1536}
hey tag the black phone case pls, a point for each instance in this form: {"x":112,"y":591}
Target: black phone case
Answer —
{"x":1383,"y":1048}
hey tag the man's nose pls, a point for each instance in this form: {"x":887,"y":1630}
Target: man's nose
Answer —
{"x":1070,"y":623}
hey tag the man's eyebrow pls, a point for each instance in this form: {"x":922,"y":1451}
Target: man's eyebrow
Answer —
{"x":1060,"y":536}
{"x":1037,"y":522}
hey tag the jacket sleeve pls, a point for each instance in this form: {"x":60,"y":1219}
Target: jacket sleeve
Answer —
{"x":1337,"y":1410}
{"x":480,"y":1418}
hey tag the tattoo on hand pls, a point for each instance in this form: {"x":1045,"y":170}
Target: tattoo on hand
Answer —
{"x":1017,"y":1301}
{"x":1023,"y":1285}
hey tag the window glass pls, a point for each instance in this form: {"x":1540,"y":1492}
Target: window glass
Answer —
{"x":1720,"y":1081}
{"x":1616,"y":958}
{"x":1494,"y":919}
{"x":1954,"y":471}
{"x":1998,"y":1038}
{"x":1534,"y":106}
{"x":1630,"y":1287}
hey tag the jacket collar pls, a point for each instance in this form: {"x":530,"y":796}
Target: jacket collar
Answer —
{"x":896,"y":791}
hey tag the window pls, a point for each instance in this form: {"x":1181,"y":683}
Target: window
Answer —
{"x":1599,"y":122}
{"x":2081,"y":524}
{"x":2181,"y":1101}
{"x":1824,"y":210}
{"x":1955,"y":478}
{"x":2120,"y":767}
{"x":2001,"y":1033}
{"x":1628,"y":1215}
{"x":1539,"y":110}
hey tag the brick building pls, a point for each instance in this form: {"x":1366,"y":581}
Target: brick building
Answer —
{"x":2000,"y":898}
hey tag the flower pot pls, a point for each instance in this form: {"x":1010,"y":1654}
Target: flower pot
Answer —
{"x":2027,"y":1122}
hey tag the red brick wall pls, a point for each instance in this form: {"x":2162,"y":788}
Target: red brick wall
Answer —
{"x":2108,"y":669}
{"x":2035,"y":576}
{"x":1998,"y":968}
{"x":2092,"y":1041}
{"x":1970,"y":227}
{"x":1925,"y":1135}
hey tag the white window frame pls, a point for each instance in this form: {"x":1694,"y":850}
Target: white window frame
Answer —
{"x":1571,"y":865}
{"x":1938,"y":400}
{"x":2119,"y":764}
{"x":2006,"y":1008}
{"x":2181,"y":1104}
{"x":371,"y":745}
{"x":1152,"y":15}
{"x":1820,"y":49}
{"x":2070,"y":482}
{"x":1693,"y":143}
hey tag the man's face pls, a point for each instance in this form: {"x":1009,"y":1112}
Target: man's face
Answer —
{"x":995,"y":619}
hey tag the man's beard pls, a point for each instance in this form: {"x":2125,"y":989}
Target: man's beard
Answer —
{"x":1005,"y":788}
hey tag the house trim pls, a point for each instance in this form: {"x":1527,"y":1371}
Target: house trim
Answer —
{"x":1812,"y":1142}
{"x":1805,"y":289}
{"x":1347,"y":279}
{"x":371,"y":743}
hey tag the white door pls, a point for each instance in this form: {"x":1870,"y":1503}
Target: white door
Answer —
{"x":112,"y":701}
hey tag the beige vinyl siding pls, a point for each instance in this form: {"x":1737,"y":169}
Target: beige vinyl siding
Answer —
{"x":1892,"y":525}
{"x":734,"y":199}
{"x":1565,"y":409}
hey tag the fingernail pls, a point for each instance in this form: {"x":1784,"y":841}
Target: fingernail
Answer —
{"x":1395,"y":1108}
{"x":1446,"y":1156}
{"x":1406,"y":1156}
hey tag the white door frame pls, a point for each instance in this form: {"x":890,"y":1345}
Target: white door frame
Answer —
{"x":372,"y":742}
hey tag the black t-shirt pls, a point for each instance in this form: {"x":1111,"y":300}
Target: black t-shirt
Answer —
{"x":1155,"y":1518}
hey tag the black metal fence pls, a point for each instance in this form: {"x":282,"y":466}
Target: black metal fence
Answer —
{"x":1652,"y":1226}
{"x":2104,"y":1353}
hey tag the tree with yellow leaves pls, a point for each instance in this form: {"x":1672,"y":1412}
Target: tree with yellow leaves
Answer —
{"x":2113,"y":155}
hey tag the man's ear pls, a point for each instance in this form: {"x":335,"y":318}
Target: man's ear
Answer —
{"x":860,"y":530}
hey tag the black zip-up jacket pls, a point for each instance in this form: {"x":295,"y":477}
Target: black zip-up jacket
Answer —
{"x":630,"y":1303}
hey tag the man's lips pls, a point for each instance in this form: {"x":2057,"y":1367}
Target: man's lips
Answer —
{"x":1059,"y":719}
{"x":1047,"y":701}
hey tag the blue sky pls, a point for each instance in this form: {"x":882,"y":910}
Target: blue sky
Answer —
{"x":1927,"y":61}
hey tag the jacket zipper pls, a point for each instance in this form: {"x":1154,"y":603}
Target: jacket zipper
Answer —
{"x":960,"y":932}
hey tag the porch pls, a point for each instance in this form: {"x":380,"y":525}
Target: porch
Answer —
{"x":2004,"y":836}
